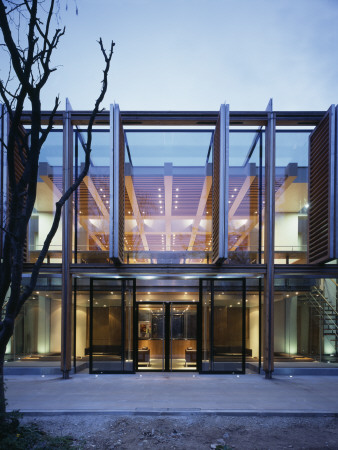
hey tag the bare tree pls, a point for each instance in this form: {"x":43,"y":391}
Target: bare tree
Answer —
{"x":29,"y":58}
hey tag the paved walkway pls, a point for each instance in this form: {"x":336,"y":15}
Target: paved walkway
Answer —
{"x":157,"y":393}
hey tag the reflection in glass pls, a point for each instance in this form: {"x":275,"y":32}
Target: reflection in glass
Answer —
{"x":168,"y":196}
{"x":49,"y":191}
{"x":183,"y":339}
{"x":306,"y":321}
{"x":245,"y":196}
{"x":36,"y":337}
{"x":151,"y":334}
{"x":291,"y":197}
{"x":92,"y":199}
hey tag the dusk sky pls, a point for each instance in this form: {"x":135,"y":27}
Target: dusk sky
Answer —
{"x":195,"y":54}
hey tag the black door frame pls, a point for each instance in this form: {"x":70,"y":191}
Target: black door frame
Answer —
{"x":167,"y":336}
{"x":211,"y":325}
{"x":123,"y":328}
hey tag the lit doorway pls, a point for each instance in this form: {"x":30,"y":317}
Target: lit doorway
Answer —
{"x":167,"y":336}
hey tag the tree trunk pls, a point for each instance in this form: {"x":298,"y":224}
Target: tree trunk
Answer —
{"x":2,"y":388}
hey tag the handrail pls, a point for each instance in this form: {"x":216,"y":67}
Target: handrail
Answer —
{"x":327,"y":316}
{"x":325,"y":299}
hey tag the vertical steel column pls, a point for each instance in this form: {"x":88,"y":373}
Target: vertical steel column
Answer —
{"x":269,"y":238}
{"x":66,"y":305}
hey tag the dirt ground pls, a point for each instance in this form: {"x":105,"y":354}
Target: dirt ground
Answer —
{"x":193,"y":432}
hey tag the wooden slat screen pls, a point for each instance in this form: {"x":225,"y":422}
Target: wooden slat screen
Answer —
{"x":121,"y":192}
{"x":322,"y":187}
{"x":220,"y":187}
{"x":215,"y":192}
{"x":117,"y":187}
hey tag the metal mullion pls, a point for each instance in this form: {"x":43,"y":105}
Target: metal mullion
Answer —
{"x":123,"y":282}
{"x":91,"y":326}
{"x":260,"y":198}
{"x":135,"y":328}
{"x":74,"y":324}
{"x":199,"y":329}
{"x":167,"y":337}
{"x":76,"y":196}
{"x":243,"y":323}
{"x":212,"y":325}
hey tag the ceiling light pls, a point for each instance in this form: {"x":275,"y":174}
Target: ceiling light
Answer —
{"x":177,"y":189}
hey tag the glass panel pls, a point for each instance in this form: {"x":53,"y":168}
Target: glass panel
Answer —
{"x":151,"y":335}
{"x":245,"y":196}
{"x":168,"y":197}
{"x":291,"y":197}
{"x":91,"y":200}
{"x":228,"y":326}
{"x":253,"y":295}
{"x":128,"y":317}
{"x":107,"y":326}
{"x":36,"y":336}
{"x":183,"y":339}
{"x":306,"y":321}
{"x":49,"y":191}
{"x":206,"y":321}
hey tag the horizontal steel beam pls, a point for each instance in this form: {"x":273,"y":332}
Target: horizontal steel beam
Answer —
{"x":186,"y":118}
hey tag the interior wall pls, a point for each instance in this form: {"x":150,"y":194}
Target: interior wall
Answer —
{"x":279,"y":326}
{"x":55,"y":327}
{"x":81,"y":330}
{"x":254,"y":331}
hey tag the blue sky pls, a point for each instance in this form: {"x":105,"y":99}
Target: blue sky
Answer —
{"x":195,"y":54}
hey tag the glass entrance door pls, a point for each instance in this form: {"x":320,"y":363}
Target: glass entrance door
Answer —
{"x":110,"y":332}
{"x":167,"y":336}
{"x":224,"y":321}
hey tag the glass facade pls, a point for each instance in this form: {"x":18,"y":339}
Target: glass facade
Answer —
{"x":246,"y":204}
{"x":36,"y":337}
{"x":291,"y":196}
{"x":166,"y":306}
{"x":168,"y":197}
{"x":92,"y":199}
{"x":306,"y":327}
{"x":49,"y":191}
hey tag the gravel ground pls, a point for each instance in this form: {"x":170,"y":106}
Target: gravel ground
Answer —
{"x":193,"y":432}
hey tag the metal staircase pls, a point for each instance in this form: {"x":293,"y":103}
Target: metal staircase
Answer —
{"x":327,"y":314}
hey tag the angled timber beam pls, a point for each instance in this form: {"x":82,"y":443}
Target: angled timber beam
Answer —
{"x":241,"y":194}
{"x":96,"y":196}
{"x":201,"y":206}
{"x":136,"y":210}
{"x":168,"y":201}
{"x":55,"y":190}
{"x":287,"y":183}
{"x":92,"y":233}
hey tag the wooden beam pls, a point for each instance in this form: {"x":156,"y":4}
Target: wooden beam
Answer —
{"x":136,"y":210}
{"x":55,"y":190}
{"x":168,"y":201}
{"x":86,"y":225}
{"x":96,"y":196}
{"x":254,"y":220}
{"x":241,"y":194}
{"x":201,"y":206}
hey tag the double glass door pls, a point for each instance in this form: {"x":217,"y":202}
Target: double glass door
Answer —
{"x":167,"y":336}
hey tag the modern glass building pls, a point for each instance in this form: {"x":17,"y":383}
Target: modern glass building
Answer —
{"x":198,"y":241}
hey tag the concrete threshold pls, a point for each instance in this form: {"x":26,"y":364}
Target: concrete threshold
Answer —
{"x":180,"y":412}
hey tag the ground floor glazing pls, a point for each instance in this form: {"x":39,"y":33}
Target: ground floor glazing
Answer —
{"x":168,"y":323}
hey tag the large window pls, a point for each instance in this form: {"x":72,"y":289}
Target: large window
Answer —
{"x":306,"y":321}
{"x":291,"y":197}
{"x":36,"y":339}
{"x":49,"y":191}
{"x":168,"y":196}
{"x":245,"y":197}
